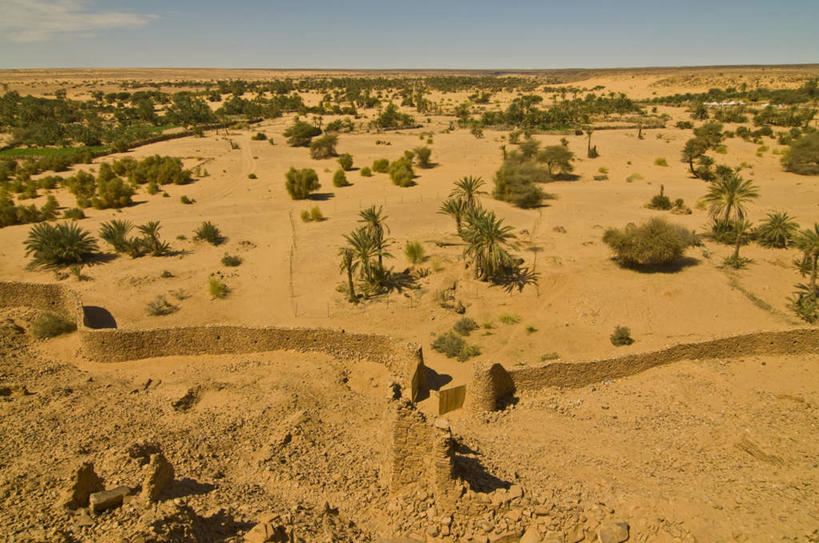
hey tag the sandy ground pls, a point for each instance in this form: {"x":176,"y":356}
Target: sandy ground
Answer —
{"x":705,"y":451}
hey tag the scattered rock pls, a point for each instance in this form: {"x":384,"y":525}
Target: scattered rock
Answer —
{"x":107,"y":499}
{"x":267,"y":530}
{"x":142,"y":451}
{"x":613,"y":532}
{"x":83,"y":482}
{"x":531,"y":535}
{"x":188,"y":400}
{"x":158,"y":475}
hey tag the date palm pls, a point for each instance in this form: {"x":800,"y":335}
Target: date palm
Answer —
{"x":456,"y":208}
{"x":151,"y":239}
{"x":728,"y":196}
{"x":742,"y":229}
{"x":375,"y":224}
{"x":777,"y":230}
{"x":488,"y":242}
{"x":808,"y":242}
{"x":57,"y":245}
{"x":364,"y":248}
{"x":348,"y":264}
{"x":468,"y":189}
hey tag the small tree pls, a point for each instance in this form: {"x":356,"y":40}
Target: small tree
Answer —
{"x":324,"y":147}
{"x":742,"y":229}
{"x":401,"y":172}
{"x":300,"y":183}
{"x":802,"y":157}
{"x":300,"y":133}
{"x":558,"y":159}
{"x":694,"y":149}
{"x":728,"y":196}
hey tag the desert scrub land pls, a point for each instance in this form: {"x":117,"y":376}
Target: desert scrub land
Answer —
{"x":517,"y":219}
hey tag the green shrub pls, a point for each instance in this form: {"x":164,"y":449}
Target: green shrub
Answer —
{"x":465,"y":326}
{"x":454,"y":346}
{"x":339,"y":179}
{"x":259,"y":136}
{"x":300,"y":183}
{"x":217,"y":288}
{"x":346,"y":162}
{"x":305,"y":216}
{"x":366,"y":172}
{"x":660,"y":201}
{"x":74,"y":213}
{"x":207,"y":231}
{"x":52,"y":325}
{"x":414,"y":252}
{"x":422,"y":154}
{"x":621,"y":336}
{"x":802,"y":157}
{"x":661,"y":162}
{"x":401,"y":172}
{"x":187,"y":201}
{"x":159,"y":306}
{"x":509,"y":318}
{"x":252,"y":176}
{"x":316,"y":215}
{"x":112,"y":193}
{"x":231,"y":260}
{"x":653,"y":243}
{"x":805,"y":303}
{"x":515,"y":181}
{"x":300,"y":133}
{"x":324,"y":147}
{"x":58,"y":245}
{"x":381,"y":165}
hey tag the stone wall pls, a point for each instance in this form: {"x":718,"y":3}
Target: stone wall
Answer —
{"x":488,"y":388}
{"x":405,"y":361}
{"x":418,"y":455}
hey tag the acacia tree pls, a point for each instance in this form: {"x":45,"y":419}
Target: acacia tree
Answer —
{"x":693,"y":150}
{"x":557,"y":158}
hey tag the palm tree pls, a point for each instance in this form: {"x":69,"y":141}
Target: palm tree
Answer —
{"x":150,"y":232}
{"x":364,"y":248}
{"x":808,"y":242}
{"x":468,"y":189}
{"x":777,"y":231}
{"x":348,"y":264}
{"x":457,"y":208}
{"x":374,"y":221}
{"x":488,"y":243}
{"x":728,"y":196}
{"x":741,"y":230}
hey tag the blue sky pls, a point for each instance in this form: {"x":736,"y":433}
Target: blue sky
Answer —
{"x":406,"y":34}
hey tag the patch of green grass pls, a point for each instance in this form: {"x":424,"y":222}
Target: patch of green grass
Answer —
{"x":52,"y":325}
{"x":509,"y":318}
{"x":217,"y":288}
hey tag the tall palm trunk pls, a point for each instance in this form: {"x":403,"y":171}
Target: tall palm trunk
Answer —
{"x":350,"y":283}
{"x":813,"y":273}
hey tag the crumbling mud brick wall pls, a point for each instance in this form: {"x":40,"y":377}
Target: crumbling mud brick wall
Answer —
{"x":418,"y":455}
{"x":405,"y":361}
{"x":491,"y":385}
{"x":487,"y":389}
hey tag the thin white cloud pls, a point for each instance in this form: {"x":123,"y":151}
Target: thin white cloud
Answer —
{"x":42,"y":20}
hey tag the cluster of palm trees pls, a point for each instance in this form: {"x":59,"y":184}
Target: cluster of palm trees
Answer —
{"x":488,"y":241}
{"x":365,"y":251}
{"x":727,"y":198}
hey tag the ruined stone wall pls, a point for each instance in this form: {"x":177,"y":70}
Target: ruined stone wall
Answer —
{"x":405,"y":361}
{"x":488,"y":387}
{"x":418,"y":455}
{"x":578,"y":374}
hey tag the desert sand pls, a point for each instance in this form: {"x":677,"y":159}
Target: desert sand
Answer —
{"x":699,"y":450}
